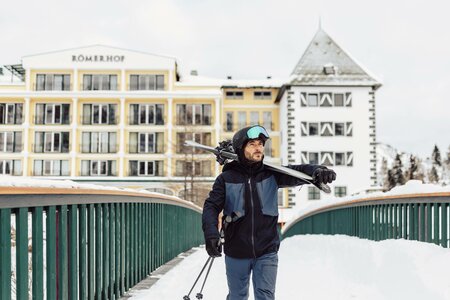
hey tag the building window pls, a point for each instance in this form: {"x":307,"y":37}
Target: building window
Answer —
{"x":229,"y":124}
{"x":280,"y":197}
{"x":99,"y":142}
{"x":145,"y":168}
{"x":99,"y":82}
{"x":51,"y":168}
{"x":49,"y":114}
{"x":146,"y":142}
{"x":313,"y":158}
{"x":340,"y":191}
{"x":338,"y":99}
{"x":193,"y":114}
{"x":268,"y":151}
{"x":11,"y":141}
{"x":339,"y":159}
{"x":313,"y":193}
{"x":235,"y":95}
{"x":196,"y":168}
{"x":201,"y":138}
{"x":146,"y":82}
{"x":52,"y":82}
{"x":313,"y":129}
{"x":242,"y":119}
{"x":11,"y":113}
{"x":262,"y":95}
{"x":51,"y":142}
{"x":11,"y":167}
{"x":313,"y":100}
{"x":98,"y":168}
{"x":267,"y":120}
{"x":339,"y":129}
{"x":99,"y":114}
{"x":146,"y":114}
{"x":254,"y":118}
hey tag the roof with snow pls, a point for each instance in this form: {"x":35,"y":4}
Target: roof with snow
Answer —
{"x":325,"y":63}
{"x":195,"y":80}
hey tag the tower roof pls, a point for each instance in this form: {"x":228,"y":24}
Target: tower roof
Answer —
{"x":325,"y":63}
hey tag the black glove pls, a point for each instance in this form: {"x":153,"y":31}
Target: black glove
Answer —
{"x":213,"y":247}
{"x":323,"y":175}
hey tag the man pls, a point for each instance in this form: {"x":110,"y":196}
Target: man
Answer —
{"x":247,"y":193}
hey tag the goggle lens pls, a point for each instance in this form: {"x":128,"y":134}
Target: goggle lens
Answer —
{"x":256,"y":131}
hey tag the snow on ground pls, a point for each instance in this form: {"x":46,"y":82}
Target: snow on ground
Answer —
{"x":329,"y":267}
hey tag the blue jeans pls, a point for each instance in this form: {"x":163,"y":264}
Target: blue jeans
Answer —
{"x":264,"y":277}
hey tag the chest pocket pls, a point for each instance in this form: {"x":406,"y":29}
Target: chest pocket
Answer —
{"x":234,"y":200}
{"x":268,"y":194}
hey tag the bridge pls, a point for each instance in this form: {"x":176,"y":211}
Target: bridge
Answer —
{"x":66,"y":243}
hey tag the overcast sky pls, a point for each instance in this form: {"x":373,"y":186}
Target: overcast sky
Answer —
{"x":405,"y":43}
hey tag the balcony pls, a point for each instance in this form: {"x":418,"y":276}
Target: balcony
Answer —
{"x":41,"y":149}
{"x":39,"y":88}
{"x":88,"y":149}
{"x":88,"y":121}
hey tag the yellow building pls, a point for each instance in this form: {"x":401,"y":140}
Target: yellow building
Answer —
{"x":120,"y":117}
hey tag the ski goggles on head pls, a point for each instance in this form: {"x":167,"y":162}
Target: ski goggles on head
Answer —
{"x":256,"y":131}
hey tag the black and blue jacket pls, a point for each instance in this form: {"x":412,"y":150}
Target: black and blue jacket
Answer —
{"x":249,"y":195}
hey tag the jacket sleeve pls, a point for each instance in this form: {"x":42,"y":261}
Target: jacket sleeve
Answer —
{"x":285,"y":180}
{"x":211,"y":209}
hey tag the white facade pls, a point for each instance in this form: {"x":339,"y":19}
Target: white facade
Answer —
{"x":327,"y":117}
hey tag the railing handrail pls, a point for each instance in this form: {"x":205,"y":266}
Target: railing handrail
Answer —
{"x":388,"y":199}
{"x":136,"y":197}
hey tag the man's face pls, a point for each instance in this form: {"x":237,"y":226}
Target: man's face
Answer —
{"x":254,"y":150}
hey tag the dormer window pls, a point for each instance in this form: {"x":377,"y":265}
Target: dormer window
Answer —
{"x":329,"y":69}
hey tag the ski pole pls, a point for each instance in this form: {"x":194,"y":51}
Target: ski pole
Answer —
{"x":200,"y":295}
{"x":201,"y":272}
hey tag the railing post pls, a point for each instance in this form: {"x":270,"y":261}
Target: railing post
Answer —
{"x":422,"y":222}
{"x":73,"y":250}
{"x":51,"y":252}
{"x":436,"y":224}
{"x":38,"y":253}
{"x":5,"y":253}
{"x":82,"y":279}
{"x":22,"y":253}
{"x":444,"y":239}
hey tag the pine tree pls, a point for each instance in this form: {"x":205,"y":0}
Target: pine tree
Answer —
{"x":413,"y":166}
{"x":436,"y":156}
{"x":397,"y":171}
{"x":433,"y":177}
{"x":447,"y":161}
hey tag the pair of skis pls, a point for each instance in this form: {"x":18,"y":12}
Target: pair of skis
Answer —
{"x":224,"y":153}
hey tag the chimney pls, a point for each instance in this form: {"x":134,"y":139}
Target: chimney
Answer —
{"x":229,"y":77}
{"x":194,"y":73}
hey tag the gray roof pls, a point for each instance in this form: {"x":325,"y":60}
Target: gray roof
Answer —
{"x":325,"y":63}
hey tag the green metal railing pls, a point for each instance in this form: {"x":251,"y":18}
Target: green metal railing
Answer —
{"x":420,"y":217}
{"x":87,"y":245}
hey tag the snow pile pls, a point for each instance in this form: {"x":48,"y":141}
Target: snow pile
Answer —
{"x":329,"y":267}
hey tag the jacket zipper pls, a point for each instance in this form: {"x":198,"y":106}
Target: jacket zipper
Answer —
{"x":253,"y":216}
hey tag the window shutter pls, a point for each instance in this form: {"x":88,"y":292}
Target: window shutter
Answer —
{"x":348,"y":99}
{"x":303,"y":101}
{"x":304,"y":128}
